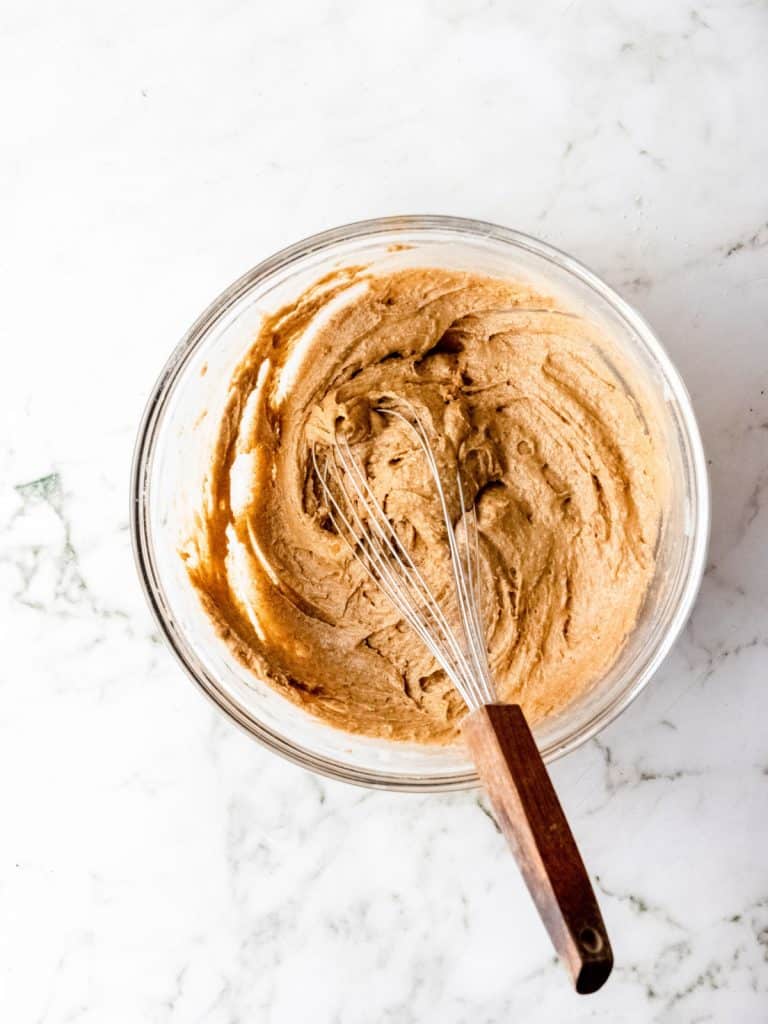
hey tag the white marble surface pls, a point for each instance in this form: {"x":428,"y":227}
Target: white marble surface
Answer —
{"x":155,"y":864}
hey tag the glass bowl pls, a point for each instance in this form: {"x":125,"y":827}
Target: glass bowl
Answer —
{"x":173,"y":447}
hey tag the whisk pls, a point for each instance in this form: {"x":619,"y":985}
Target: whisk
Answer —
{"x":497,"y":735}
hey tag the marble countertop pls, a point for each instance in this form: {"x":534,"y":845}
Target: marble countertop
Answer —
{"x":158,"y":866}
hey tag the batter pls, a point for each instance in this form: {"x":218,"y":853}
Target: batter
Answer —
{"x":556,"y":458}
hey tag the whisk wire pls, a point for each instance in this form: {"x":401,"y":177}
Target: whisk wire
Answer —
{"x":386,"y":533}
{"x":467,"y":595}
{"x":369,"y":554}
{"x":472,"y":557}
{"x":367,"y":530}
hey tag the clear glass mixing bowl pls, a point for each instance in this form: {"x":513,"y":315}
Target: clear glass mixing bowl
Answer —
{"x":174,"y":444}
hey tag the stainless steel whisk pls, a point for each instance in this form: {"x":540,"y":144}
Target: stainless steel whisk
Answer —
{"x":360,"y":519}
{"x":497,"y":735}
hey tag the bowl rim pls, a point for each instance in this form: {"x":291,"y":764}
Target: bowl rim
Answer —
{"x":218,"y":309}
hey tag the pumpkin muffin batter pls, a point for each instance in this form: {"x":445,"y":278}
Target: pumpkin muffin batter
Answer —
{"x":555,"y":457}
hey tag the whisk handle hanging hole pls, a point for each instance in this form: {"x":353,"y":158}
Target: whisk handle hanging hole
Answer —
{"x":530,"y":816}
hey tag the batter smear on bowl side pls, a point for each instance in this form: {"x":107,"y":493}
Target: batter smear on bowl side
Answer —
{"x":556,"y":458}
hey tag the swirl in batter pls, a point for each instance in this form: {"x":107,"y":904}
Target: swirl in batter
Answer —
{"x":555,"y":456}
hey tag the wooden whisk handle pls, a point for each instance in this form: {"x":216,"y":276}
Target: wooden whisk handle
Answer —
{"x":530,"y":816}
